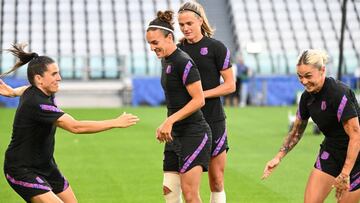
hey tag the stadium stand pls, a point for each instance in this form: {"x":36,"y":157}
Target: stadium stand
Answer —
{"x":104,"y":39}
{"x":284,"y":27}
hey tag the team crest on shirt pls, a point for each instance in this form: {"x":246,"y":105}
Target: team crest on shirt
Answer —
{"x":323,"y":105}
{"x":204,"y":51}
{"x":168,"y":69}
{"x":325,"y":155}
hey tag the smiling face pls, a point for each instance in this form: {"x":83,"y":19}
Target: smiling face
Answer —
{"x":311,"y":77}
{"x":161,"y":45}
{"x":49,"y":81}
{"x":190,"y":26}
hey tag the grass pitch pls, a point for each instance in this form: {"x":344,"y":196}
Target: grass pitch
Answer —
{"x":125,"y":165}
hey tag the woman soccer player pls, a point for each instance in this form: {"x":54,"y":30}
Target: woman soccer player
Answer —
{"x":185,"y":131}
{"x":213,"y":60}
{"x":29,"y":166}
{"x":333,"y":107}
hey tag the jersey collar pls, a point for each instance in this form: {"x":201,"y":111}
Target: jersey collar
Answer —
{"x":324,"y":87}
{"x":172,"y":54}
{"x":41,"y":93}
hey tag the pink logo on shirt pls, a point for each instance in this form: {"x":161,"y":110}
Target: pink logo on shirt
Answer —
{"x":323,"y":105}
{"x":204,"y":51}
{"x":325,"y":155}
{"x":168,"y":69}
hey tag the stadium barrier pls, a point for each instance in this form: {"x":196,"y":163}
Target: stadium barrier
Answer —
{"x":263,"y":90}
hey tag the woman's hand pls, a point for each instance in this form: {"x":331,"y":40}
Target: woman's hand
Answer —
{"x":126,"y":120}
{"x":163,"y":132}
{"x":270,"y":166}
{"x":6,"y":90}
{"x":342,"y":184}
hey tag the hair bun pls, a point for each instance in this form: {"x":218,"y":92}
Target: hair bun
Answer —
{"x":34,"y":55}
{"x":166,"y":16}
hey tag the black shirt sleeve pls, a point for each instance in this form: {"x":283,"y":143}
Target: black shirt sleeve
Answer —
{"x":189,"y":73}
{"x":47,"y":113}
{"x":344,"y":103}
{"x":222,"y":55}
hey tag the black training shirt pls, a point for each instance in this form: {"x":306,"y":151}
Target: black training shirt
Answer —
{"x":178,"y":70}
{"x":210,"y":56}
{"x":329,"y":108}
{"x":32,"y":141}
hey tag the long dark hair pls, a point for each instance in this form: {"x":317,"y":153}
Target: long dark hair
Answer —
{"x":37,"y":64}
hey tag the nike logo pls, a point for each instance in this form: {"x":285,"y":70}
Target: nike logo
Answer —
{"x":216,"y":141}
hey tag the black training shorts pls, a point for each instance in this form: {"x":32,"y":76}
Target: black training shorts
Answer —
{"x":331,"y":161}
{"x":187,"y":150}
{"x":219,"y":138}
{"x":28,"y":183}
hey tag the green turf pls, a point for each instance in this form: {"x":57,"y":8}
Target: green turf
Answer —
{"x":125,"y":165}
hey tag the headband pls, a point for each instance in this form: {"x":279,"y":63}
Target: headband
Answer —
{"x":161,"y":27}
{"x":187,"y":9}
